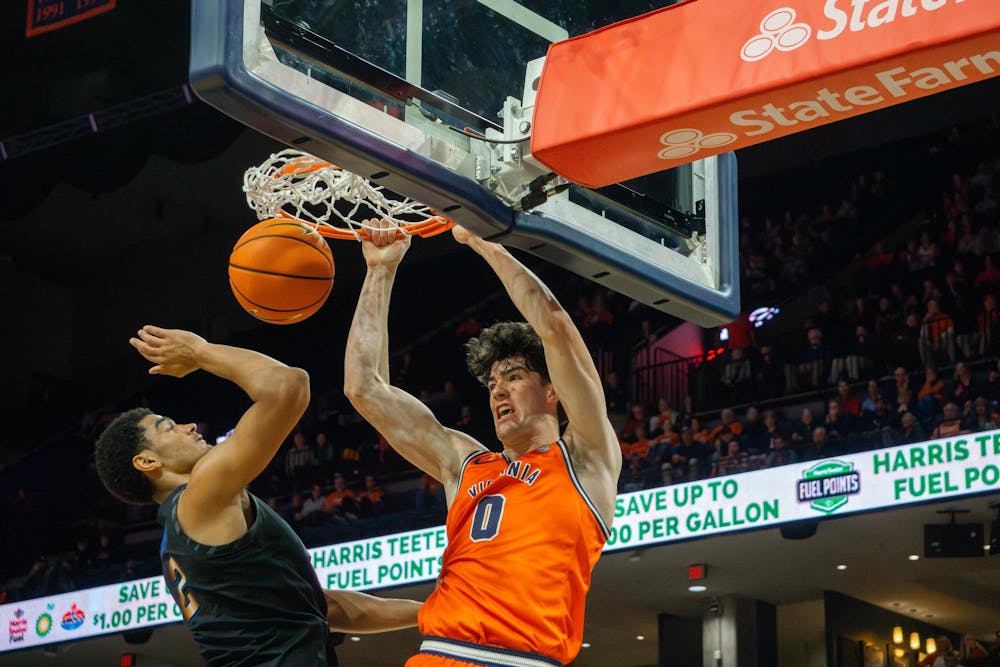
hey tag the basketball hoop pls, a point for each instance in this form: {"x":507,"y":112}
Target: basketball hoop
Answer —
{"x":295,"y":185}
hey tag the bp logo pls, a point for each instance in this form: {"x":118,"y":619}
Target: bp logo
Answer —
{"x":778,"y":30}
{"x":43,"y":625}
{"x":827,"y":485}
{"x":688,"y":141}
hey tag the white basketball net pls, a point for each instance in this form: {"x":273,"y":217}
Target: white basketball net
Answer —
{"x":293,"y":184}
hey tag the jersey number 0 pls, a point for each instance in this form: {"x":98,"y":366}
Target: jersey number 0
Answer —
{"x":486,"y":519}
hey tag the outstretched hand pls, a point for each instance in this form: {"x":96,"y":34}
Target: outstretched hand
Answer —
{"x":172,"y":351}
{"x":384,"y":245}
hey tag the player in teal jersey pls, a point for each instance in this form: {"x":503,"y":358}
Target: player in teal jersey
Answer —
{"x":242,"y":578}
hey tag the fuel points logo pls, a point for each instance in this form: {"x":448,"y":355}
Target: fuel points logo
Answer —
{"x":688,"y":141}
{"x":827,"y":485}
{"x":779,"y":30}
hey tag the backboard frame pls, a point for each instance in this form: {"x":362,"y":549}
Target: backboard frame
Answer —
{"x":234,"y":69}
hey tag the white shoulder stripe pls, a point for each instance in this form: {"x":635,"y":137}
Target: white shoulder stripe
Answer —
{"x":580,"y":489}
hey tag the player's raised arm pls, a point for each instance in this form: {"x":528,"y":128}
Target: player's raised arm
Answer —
{"x":352,"y":611}
{"x":571,"y":368}
{"x":279,"y":393}
{"x":408,"y":425}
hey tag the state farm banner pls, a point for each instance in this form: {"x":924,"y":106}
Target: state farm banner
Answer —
{"x":707,"y":76}
{"x":874,"y":480}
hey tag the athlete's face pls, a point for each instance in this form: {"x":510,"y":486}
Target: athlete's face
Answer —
{"x":519,"y":399}
{"x":178,"y":446}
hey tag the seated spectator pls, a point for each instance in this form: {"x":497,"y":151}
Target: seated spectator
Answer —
{"x":988,"y":326}
{"x":633,"y":477}
{"x":735,"y":371}
{"x":664,"y":420}
{"x":937,"y":334}
{"x":802,"y":429}
{"x":324,"y":453}
{"x":982,"y":417}
{"x":772,"y":425}
{"x":370,"y":498}
{"x":818,"y":447}
{"x":291,"y":511}
{"x":311,"y":510}
{"x":849,"y":403}
{"x":614,"y":393}
{"x":727,"y":422}
{"x":686,"y":457}
{"x":812,"y":367}
{"x":962,"y":388}
{"x":752,"y":429}
{"x":698,"y":432}
{"x":900,"y":382}
{"x":768,"y":377}
{"x":838,"y":425}
{"x":340,"y":502}
{"x":299,"y":458}
{"x":950,"y":424}
{"x":874,"y":411}
{"x":904,"y":404}
{"x":931,"y":395}
{"x":637,"y":417}
{"x":735,"y":461}
{"x":779,"y":455}
{"x":861,"y":354}
{"x":910,"y":431}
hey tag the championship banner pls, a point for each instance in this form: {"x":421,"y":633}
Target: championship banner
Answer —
{"x":881,"y":479}
{"x":47,"y":15}
{"x":707,"y":76}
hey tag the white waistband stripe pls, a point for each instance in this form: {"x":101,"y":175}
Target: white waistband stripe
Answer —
{"x":493,"y":657}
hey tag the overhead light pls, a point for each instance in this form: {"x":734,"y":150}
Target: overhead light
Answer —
{"x":697,"y":588}
{"x":931,"y":645}
{"x":915,"y":641}
{"x":355,"y":639}
{"x":914,"y":557}
{"x":585,"y":644}
{"x":897,"y":635}
{"x":640,"y":637}
{"x":841,"y":567}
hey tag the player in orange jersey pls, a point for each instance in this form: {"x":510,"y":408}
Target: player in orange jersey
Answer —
{"x":526,"y":525}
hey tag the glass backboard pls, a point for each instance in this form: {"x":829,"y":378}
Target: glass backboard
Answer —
{"x":433,"y":99}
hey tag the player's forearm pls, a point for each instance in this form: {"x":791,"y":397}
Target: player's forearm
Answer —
{"x":367,"y":352}
{"x":351,"y":611}
{"x":530,"y":295}
{"x":260,"y":376}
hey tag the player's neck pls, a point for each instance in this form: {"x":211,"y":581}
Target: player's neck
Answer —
{"x":514,"y":449}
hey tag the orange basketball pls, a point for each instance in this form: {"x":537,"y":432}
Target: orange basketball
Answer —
{"x":281,"y":271}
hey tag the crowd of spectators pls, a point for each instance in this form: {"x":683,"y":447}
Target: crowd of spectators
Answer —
{"x":901,"y":350}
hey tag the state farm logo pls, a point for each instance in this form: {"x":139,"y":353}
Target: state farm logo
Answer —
{"x":688,"y":141}
{"x":778,"y":30}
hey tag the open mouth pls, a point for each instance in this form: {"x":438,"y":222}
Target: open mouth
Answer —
{"x":503,"y":411}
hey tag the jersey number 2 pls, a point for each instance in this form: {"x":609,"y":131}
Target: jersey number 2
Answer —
{"x":486,"y":519}
{"x":185,"y":599}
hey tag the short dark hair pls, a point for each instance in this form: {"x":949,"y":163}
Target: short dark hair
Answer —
{"x":503,"y":341}
{"x":120,"y":442}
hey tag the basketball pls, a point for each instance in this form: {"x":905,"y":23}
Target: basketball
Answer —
{"x":281,"y":271}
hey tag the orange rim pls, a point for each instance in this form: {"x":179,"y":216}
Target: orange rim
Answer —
{"x":426,"y":229}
